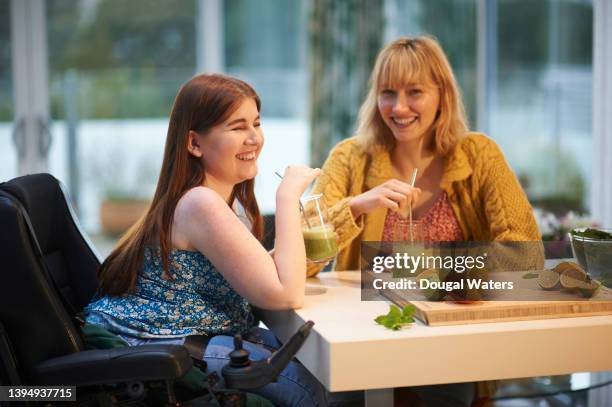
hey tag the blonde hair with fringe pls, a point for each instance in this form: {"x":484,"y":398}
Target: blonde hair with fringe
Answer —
{"x":421,"y":60}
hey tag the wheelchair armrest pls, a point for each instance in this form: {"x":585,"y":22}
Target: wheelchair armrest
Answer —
{"x":91,"y":367}
{"x":262,"y":372}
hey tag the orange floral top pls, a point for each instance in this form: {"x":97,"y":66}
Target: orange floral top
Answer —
{"x":439,"y":224}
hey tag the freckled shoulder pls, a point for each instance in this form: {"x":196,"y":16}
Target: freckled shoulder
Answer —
{"x":200,"y":201}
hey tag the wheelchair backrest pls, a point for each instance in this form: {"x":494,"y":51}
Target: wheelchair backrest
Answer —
{"x":47,"y":270}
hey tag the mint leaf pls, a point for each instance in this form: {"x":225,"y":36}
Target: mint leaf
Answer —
{"x":406,"y":319}
{"x":408,"y":310}
{"x":531,"y":275}
{"x":381,"y":319}
{"x":390,"y":324}
{"x":394,"y":311}
{"x":396,"y":318}
{"x":407,"y":313}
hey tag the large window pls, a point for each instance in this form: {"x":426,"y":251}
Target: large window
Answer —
{"x":453,"y":23}
{"x":541,"y":111}
{"x":537,"y":79}
{"x":265,"y":44}
{"x":116,"y":66}
{"x":114,"y":69}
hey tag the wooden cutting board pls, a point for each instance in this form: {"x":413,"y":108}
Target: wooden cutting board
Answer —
{"x":446,"y":313}
{"x":436,"y":313}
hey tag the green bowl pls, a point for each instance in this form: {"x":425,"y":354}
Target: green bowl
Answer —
{"x":594,"y":254}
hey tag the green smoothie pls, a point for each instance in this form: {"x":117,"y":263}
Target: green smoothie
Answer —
{"x":320,"y":242}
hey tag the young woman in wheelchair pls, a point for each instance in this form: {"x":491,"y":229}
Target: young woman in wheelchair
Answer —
{"x":192,"y":265}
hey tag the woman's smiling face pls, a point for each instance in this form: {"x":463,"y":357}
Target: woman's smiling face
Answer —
{"x":229,"y":151}
{"x":409,"y":110}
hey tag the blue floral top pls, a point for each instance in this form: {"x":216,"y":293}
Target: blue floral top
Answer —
{"x":196,"y":300}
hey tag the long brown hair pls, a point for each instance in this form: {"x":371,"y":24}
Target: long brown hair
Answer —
{"x":202,"y":103}
{"x":421,"y":59}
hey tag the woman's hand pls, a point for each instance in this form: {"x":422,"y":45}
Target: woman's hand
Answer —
{"x":394,"y":194}
{"x":295,"y":181}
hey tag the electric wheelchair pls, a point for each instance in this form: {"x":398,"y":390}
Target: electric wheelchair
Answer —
{"x":47,"y":275}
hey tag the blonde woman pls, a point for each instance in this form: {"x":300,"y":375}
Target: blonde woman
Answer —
{"x":413,"y":117}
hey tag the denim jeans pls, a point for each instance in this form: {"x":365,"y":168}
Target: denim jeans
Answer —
{"x":295,"y":386}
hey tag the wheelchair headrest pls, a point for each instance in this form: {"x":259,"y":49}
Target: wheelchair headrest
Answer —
{"x":43,"y":199}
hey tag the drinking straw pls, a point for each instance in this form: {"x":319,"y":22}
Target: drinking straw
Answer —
{"x":414,"y":175}
{"x":319,"y":212}
{"x":412,"y":181}
{"x":301,"y":206}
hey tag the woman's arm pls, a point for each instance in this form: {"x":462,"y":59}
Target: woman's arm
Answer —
{"x":334,"y":184}
{"x":509,"y":215}
{"x":289,"y":252}
{"x":208,"y":224}
{"x":343,"y":169}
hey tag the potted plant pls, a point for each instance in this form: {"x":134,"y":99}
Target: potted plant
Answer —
{"x":126,"y":190}
{"x":554,"y":230}
{"x":118,"y":212}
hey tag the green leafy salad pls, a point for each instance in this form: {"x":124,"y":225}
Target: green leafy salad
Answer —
{"x":592,"y":234}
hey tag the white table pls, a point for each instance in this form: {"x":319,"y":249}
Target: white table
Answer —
{"x":347,"y":350}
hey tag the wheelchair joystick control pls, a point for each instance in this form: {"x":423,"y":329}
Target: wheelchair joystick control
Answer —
{"x":243,"y":374}
{"x":239,"y":357}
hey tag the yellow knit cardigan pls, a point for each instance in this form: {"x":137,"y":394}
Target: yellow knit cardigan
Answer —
{"x":485,"y":195}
